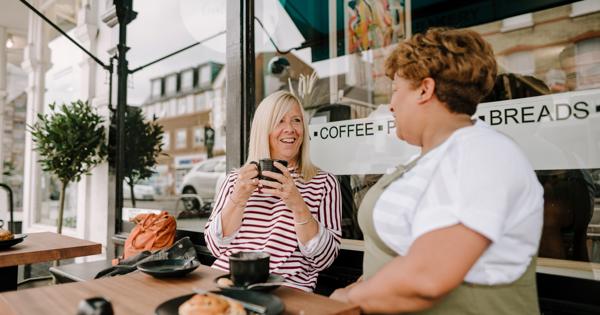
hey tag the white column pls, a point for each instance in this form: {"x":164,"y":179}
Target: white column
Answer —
{"x":92,"y":199}
{"x":3,"y":94}
{"x":35,"y":63}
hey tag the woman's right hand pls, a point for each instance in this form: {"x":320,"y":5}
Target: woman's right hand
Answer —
{"x":245,"y":184}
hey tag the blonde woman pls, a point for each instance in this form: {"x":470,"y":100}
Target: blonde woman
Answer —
{"x":455,"y":231}
{"x":296,"y":219}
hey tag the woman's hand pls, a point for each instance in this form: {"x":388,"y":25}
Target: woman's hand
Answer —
{"x":283,"y":187}
{"x":245,"y":184}
{"x":340,"y":294}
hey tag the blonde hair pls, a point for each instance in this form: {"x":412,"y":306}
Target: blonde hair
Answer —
{"x":461,"y":63}
{"x":267,"y":115}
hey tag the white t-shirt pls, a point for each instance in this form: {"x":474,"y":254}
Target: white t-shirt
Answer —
{"x":479,"y":178}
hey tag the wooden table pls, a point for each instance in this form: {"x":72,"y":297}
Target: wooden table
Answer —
{"x":138,"y":293}
{"x":40,"y":247}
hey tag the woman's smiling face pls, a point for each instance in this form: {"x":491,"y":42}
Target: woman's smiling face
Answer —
{"x":287,"y":136}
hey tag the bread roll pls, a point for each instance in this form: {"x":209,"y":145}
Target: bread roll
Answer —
{"x":210,"y":304}
{"x":5,"y":235}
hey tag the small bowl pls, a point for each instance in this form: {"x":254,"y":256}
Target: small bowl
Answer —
{"x":168,"y":268}
{"x":249,"y":267}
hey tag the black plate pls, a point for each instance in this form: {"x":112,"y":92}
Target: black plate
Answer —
{"x":168,"y":268}
{"x":275,"y":279}
{"x":273,"y":303}
{"x":16,"y":240}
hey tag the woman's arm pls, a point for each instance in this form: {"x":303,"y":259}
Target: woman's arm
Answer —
{"x":227,"y":214}
{"x":436,"y":263}
{"x":319,"y":240}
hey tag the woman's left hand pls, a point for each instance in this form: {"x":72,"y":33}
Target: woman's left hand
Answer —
{"x":283,"y":187}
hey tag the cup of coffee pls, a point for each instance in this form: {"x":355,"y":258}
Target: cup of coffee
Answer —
{"x":247,"y":268}
{"x":267,"y":165}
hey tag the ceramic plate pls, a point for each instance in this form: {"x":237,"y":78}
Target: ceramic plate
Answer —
{"x":273,"y":303}
{"x":272,"y":283}
{"x":168,"y":268}
{"x":16,"y":240}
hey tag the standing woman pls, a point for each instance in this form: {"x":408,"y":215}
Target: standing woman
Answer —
{"x":296,"y":219}
{"x":455,"y":231}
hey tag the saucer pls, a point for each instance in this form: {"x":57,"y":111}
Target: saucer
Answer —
{"x":168,"y":268}
{"x":273,"y":282}
{"x":18,"y":238}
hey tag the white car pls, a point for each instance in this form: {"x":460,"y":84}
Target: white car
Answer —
{"x":140,"y":191}
{"x":202,"y":179}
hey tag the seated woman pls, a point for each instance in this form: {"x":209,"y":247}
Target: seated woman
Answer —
{"x":456,"y":231}
{"x":296,"y":218}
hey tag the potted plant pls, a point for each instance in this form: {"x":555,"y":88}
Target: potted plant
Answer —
{"x":143,"y":145}
{"x":71,"y":140}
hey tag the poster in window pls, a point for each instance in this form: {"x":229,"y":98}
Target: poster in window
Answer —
{"x":373,"y":24}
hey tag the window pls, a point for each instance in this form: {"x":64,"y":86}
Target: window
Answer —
{"x":171,"y":84}
{"x":587,"y":60}
{"x":205,"y":76}
{"x":181,"y":106}
{"x":156,"y":88}
{"x":181,"y":141}
{"x":556,"y":61}
{"x":200,"y":101}
{"x":167,"y":140}
{"x":198,"y":136}
{"x":187,"y":80}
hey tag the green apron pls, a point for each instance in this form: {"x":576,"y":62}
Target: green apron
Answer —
{"x":519,"y":297}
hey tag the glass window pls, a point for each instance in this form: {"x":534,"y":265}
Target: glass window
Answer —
{"x":545,"y":99}
{"x":198,"y":136}
{"x":166,"y":141}
{"x":587,"y":58}
{"x":171,"y":84}
{"x":187,"y":80}
{"x":181,"y":140}
{"x":156,"y":88}
{"x":181,"y":106}
{"x":205,"y":76}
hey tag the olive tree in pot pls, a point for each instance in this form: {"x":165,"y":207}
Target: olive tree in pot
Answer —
{"x":143,"y":146}
{"x":70,"y":140}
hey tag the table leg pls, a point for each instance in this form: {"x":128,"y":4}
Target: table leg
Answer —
{"x":8,"y":278}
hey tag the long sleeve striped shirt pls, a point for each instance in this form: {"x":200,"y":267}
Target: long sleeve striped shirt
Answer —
{"x":268,"y":225}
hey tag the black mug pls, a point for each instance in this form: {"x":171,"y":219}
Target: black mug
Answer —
{"x":95,"y":306}
{"x":267,"y":165}
{"x":246,"y":268}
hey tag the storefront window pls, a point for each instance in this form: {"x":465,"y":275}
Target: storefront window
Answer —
{"x":545,"y":99}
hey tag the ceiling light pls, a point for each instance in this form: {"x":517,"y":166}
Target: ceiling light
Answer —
{"x":9,"y":42}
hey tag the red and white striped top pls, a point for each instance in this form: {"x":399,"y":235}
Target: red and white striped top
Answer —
{"x":268,"y":225}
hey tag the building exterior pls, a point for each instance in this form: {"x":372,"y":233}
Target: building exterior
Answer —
{"x":186,"y":103}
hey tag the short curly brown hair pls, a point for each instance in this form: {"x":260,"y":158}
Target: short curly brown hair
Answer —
{"x":460,"y":61}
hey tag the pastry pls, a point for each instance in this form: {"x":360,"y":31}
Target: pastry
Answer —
{"x":5,"y":235}
{"x":210,"y":304}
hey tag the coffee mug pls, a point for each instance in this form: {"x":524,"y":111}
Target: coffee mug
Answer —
{"x":95,"y":306}
{"x":246,"y":268}
{"x":267,"y":165}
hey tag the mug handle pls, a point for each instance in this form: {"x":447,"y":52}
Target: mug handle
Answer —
{"x":1,"y":223}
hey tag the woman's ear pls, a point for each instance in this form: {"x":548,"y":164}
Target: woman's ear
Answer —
{"x":426,"y":90}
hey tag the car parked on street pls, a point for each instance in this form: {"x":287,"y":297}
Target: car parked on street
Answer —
{"x":202,"y":180}
{"x":140,"y":191}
